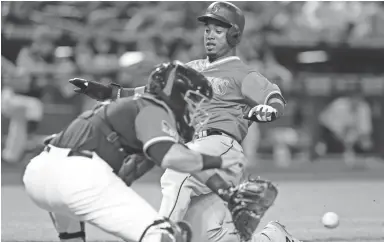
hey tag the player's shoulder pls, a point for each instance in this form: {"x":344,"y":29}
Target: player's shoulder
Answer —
{"x":238,"y":67}
{"x":256,"y":74}
{"x":248,"y":68}
{"x":252,"y":70}
{"x":155,"y":118}
{"x":136,"y":106}
{"x":247,"y":71}
{"x":124,"y":103}
{"x":150,"y":106}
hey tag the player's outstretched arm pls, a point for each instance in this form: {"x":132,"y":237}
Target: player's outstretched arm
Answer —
{"x":265,"y":98}
{"x":103,"y":92}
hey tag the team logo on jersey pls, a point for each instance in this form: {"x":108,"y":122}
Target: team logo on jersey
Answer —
{"x":219,"y":85}
{"x":167,"y":128}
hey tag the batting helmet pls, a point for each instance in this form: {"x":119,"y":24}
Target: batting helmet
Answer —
{"x":230,"y":15}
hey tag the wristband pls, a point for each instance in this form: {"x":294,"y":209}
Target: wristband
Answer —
{"x":118,"y":94}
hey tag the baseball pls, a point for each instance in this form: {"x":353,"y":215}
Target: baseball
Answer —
{"x":330,"y":220}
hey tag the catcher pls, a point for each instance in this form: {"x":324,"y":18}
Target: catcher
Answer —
{"x":75,"y":177}
{"x":241,"y":95}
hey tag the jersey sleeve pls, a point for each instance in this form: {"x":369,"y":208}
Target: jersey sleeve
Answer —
{"x":153,"y":124}
{"x":258,"y":89}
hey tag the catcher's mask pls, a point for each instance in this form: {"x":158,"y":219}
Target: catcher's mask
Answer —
{"x":184,"y":90}
{"x":197,"y":117}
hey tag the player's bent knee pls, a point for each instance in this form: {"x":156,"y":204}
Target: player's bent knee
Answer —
{"x":165,"y":230}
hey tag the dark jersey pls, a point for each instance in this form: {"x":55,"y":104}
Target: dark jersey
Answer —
{"x":140,"y":121}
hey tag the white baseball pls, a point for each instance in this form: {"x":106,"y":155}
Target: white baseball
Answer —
{"x":330,"y":220}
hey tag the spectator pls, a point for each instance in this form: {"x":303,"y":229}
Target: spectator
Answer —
{"x":66,"y":69}
{"x":24,"y":111}
{"x":98,"y":58}
{"x":346,"y":127}
{"x":102,"y":32}
{"x":22,"y":95}
{"x":38,"y":59}
{"x":151,"y":51}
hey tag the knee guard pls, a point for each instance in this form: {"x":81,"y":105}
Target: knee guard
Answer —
{"x":165,"y":230}
{"x":68,"y":228}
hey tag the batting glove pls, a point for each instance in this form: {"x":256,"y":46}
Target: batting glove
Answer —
{"x":262,"y":114}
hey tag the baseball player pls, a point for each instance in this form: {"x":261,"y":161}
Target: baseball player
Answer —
{"x":241,"y":95}
{"x":75,"y":177}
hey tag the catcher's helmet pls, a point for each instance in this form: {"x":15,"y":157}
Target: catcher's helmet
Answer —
{"x":184,"y":90}
{"x":230,"y":15}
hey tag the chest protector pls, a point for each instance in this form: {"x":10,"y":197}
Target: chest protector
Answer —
{"x":134,"y":163}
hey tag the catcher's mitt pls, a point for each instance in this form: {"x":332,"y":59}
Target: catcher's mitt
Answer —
{"x":248,"y":202}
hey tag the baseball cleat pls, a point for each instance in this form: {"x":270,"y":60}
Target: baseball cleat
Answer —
{"x":275,"y":232}
{"x":186,"y":230}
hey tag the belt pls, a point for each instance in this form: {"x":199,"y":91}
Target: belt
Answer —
{"x":209,"y":132}
{"x":83,"y":153}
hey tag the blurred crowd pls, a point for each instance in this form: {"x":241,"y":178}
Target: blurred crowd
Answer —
{"x":46,"y":43}
{"x":119,"y":40}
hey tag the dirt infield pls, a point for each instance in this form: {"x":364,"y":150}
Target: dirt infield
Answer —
{"x":299,"y":206}
{"x":304,"y":196}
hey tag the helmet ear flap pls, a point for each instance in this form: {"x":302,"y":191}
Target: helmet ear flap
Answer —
{"x":233,"y":36}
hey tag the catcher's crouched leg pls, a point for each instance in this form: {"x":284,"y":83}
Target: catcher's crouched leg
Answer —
{"x":165,"y":230}
{"x":69,"y":230}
